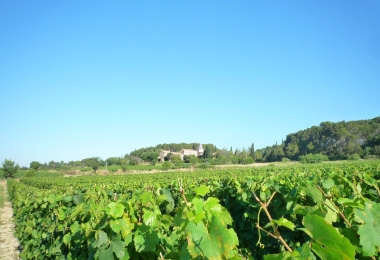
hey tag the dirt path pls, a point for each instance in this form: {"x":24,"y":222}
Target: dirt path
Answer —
{"x":8,"y":243}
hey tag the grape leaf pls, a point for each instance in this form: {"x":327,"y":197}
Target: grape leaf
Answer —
{"x":66,"y":239}
{"x":224,"y":238}
{"x":213,"y":208}
{"x":314,"y":193}
{"x":150,"y":218}
{"x":117,"y":247}
{"x":328,"y":184}
{"x":106,"y":254}
{"x":123,"y":225}
{"x":202,"y":190}
{"x":78,"y":199}
{"x":369,"y":231}
{"x":285,"y":223}
{"x":200,"y":243}
{"x":217,"y":243}
{"x":327,"y":243}
{"x":146,"y":239}
{"x":115,"y":210}
{"x":102,"y":238}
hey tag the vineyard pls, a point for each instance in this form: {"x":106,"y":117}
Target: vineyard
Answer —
{"x":327,"y":211}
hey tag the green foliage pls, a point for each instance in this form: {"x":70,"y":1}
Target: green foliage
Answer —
{"x":166,"y":165}
{"x":252,"y":152}
{"x":34,"y":165}
{"x":285,"y":160}
{"x":247,"y":160}
{"x":2,"y":197}
{"x":124,"y":165}
{"x":30,"y":173}
{"x":353,"y":157}
{"x":193,"y":160}
{"x":10,"y":168}
{"x":93,"y":163}
{"x":313,"y":158}
{"x":325,"y":211}
{"x":133,"y":160}
{"x":176,"y":160}
{"x":336,"y":140}
{"x":369,"y":230}
{"x":207,"y":152}
{"x":326,"y":242}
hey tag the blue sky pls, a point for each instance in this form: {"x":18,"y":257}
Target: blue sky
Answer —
{"x":94,"y":78}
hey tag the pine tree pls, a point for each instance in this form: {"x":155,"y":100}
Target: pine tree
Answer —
{"x":252,"y":152}
{"x":207,"y":152}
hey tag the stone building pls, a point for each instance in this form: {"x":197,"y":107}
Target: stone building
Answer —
{"x":182,"y":152}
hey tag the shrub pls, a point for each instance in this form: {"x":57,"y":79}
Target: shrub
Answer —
{"x":31,"y":173}
{"x":133,"y":160}
{"x":370,"y":157}
{"x":313,"y":158}
{"x":247,"y":160}
{"x":353,"y":157}
{"x":166,"y":165}
{"x":9,"y":168}
{"x":205,"y":166}
{"x":285,"y":159}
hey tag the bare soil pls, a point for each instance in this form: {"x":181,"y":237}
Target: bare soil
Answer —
{"x":8,"y":243}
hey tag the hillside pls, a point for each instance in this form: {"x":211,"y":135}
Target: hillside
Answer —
{"x":336,"y":140}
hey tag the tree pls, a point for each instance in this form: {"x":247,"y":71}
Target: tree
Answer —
{"x":376,"y":150}
{"x":124,"y":165}
{"x":153,"y":157}
{"x":247,"y":160}
{"x":207,"y":152}
{"x":10,"y":168}
{"x":93,"y":162}
{"x":168,"y":157}
{"x":252,"y":152}
{"x":291,"y":150}
{"x":133,"y":160}
{"x":193,"y":160}
{"x":166,"y":165}
{"x":310,"y":147}
{"x":113,"y":161}
{"x":176,"y":160}
{"x":34,"y":165}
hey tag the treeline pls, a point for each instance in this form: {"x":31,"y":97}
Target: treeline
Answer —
{"x":337,"y":141}
{"x":173,"y":147}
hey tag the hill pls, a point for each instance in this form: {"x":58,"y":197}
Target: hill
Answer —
{"x":336,"y":140}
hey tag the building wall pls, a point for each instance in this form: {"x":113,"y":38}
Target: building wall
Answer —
{"x":189,"y":152}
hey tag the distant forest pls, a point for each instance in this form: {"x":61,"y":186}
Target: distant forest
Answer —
{"x":335,"y":141}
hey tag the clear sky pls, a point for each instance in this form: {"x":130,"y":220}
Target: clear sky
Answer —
{"x":101,"y":78}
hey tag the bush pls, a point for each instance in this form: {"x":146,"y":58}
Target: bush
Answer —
{"x":247,"y":160}
{"x":313,"y":158}
{"x":31,"y":173}
{"x":9,"y":168}
{"x":353,"y":157}
{"x":370,"y":157}
{"x":133,"y":160}
{"x":205,"y":166}
{"x":166,"y":165}
{"x":285,"y":159}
